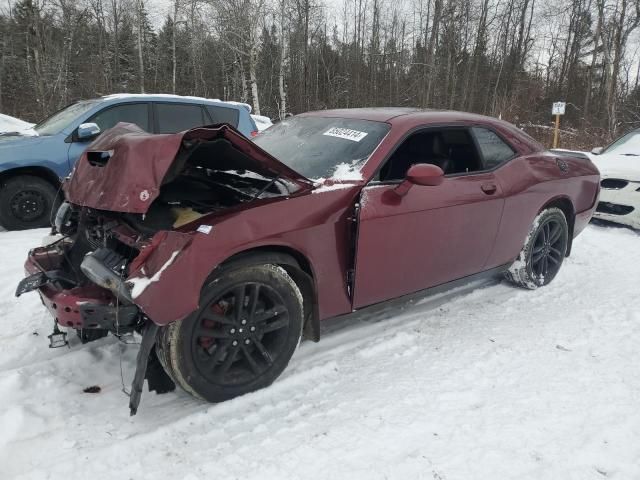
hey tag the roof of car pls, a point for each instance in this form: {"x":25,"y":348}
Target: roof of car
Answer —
{"x":173,"y":98}
{"x":393,"y":114}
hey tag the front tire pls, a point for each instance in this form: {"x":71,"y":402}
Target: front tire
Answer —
{"x":27,"y":202}
{"x":240,"y":339}
{"x":543,"y":252}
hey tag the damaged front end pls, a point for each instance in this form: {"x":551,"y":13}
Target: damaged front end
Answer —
{"x":134,"y":204}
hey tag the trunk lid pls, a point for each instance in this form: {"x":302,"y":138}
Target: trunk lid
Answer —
{"x":123,"y":170}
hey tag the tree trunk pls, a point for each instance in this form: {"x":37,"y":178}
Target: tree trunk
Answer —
{"x":253,"y":58}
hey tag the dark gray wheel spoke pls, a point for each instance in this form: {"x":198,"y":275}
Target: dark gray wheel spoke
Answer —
{"x":537,"y":257}
{"x":212,"y":332}
{"x":250,"y":360}
{"x":253,"y":300}
{"x":555,"y":233}
{"x":545,"y":265}
{"x":214,"y":317}
{"x":537,"y":248}
{"x":269,"y":314}
{"x":263,"y":351}
{"x":232,"y":352}
{"x":277,"y":324}
{"x":553,"y":259}
{"x":239,"y":296}
{"x":555,"y":254}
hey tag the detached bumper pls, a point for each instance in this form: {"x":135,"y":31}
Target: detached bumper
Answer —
{"x":82,"y":307}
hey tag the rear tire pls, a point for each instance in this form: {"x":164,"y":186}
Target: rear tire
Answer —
{"x":544,"y":251}
{"x":220,"y":352}
{"x":27,"y":202}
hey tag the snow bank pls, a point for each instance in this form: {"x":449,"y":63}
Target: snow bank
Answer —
{"x":496,"y":383}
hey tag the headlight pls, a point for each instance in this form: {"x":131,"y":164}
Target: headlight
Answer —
{"x":64,"y":221}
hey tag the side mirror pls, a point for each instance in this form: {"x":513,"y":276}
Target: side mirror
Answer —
{"x":420,"y":174}
{"x":597,"y":150}
{"x":87,"y":131}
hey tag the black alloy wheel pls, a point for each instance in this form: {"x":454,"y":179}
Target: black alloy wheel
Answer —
{"x":240,"y":339}
{"x":544,"y":250}
{"x":240,"y":334}
{"x":549,"y":248}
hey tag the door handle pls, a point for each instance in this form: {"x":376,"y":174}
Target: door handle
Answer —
{"x":489,"y":188}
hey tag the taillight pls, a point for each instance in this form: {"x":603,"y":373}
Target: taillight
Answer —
{"x":255,"y":133}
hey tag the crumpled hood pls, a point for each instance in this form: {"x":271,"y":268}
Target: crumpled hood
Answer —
{"x":124,"y":168}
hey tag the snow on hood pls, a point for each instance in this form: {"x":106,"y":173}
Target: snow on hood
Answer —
{"x":123,"y":170}
{"x":15,"y":125}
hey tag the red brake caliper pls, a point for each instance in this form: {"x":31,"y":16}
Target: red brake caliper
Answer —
{"x":207,"y":342}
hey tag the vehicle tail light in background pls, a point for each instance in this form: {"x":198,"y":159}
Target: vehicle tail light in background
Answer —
{"x":255,"y":133}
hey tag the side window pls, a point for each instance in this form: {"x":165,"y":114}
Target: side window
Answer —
{"x":176,"y":117}
{"x":224,"y":115}
{"x":494,"y":150}
{"x":137,"y":113}
{"x":451,"y":149}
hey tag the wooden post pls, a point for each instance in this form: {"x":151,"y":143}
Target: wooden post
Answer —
{"x":555,"y":132}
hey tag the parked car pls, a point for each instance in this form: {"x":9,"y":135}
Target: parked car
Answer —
{"x":33,"y":163}
{"x":12,"y":124}
{"x":619,"y":165}
{"x":223,"y":252}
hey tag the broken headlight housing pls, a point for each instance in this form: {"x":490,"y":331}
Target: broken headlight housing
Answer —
{"x":66,"y":219}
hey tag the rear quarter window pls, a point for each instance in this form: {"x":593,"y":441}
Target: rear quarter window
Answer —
{"x":224,"y":115}
{"x":177,"y":117}
{"x":494,"y":150}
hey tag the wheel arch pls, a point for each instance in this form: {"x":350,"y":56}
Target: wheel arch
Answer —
{"x":35,"y":171}
{"x":299,"y":268}
{"x":566,"y":205}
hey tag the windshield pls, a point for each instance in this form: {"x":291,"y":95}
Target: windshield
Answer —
{"x":628,"y":144}
{"x":318,"y":147}
{"x":61,"y":119}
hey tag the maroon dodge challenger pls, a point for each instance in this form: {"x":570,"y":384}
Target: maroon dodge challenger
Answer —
{"x":223,"y":252}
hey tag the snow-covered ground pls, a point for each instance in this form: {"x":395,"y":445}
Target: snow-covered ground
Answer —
{"x":495,"y":383}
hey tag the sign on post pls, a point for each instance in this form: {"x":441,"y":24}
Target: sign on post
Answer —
{"x":557,"y":109}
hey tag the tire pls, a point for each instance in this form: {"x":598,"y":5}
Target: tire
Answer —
{"x":544,"y":251}
{"x":199,"y":353}
{"x":27,"y":202}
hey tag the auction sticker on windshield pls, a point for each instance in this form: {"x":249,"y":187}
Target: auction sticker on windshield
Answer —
{"x":346,"y":133}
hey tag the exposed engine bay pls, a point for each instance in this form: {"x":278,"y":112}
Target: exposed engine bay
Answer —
{"x":96,"y":248}
{"x":134,"y":202}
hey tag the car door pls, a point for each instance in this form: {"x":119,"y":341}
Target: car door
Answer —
{"x":137,"y":113}
{"x":430,"y":236}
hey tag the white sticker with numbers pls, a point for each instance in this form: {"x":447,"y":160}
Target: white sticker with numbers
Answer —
{"x":346,"y":133}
